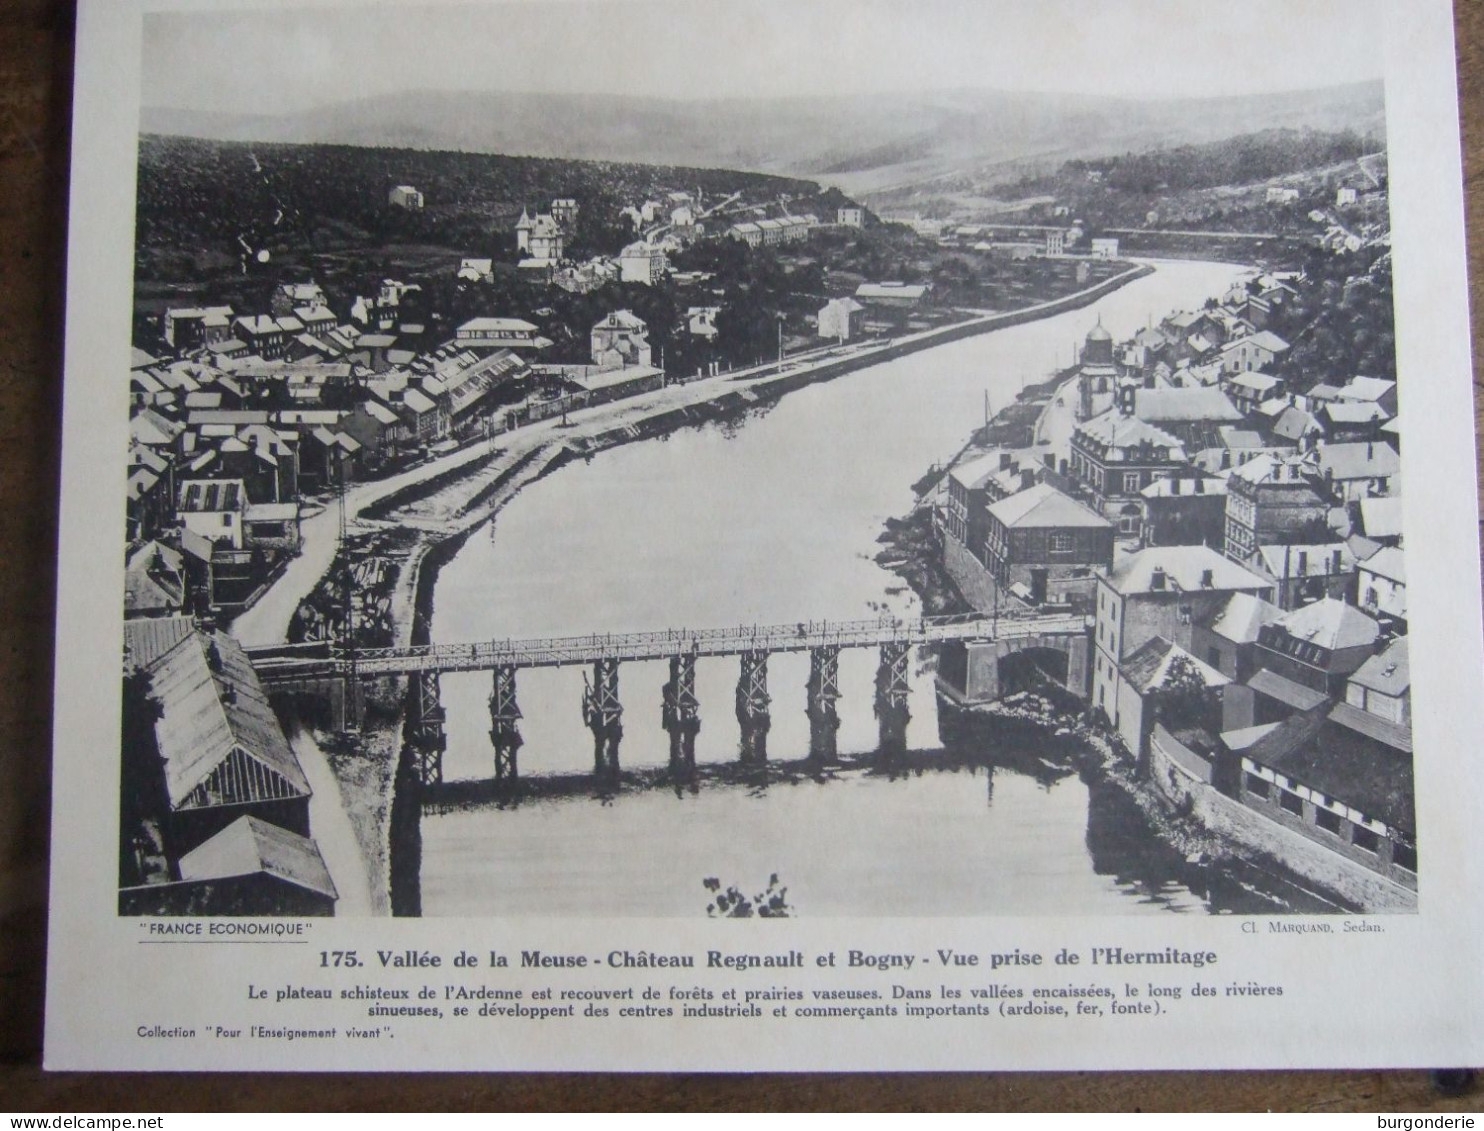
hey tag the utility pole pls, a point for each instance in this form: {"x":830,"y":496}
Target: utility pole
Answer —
{"x":348,"y":645}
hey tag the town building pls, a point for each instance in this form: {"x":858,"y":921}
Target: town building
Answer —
{"x":1043,"y":545}
{"x":700,"y":322}
{"x":1381,"y":583}
{"x":1358,"y":471}
{"x":852,"y":217}
{"x":474,"y":269}
{"x":842,"y":319}
{"x":407,"y":197}
{"x":1273,"y":499}
{"x":892,"y":295}
{"x":499,"y":334}
{"x":195,"y":327}
{"x":1226,"y":639}
{"x":540,"y":237}
{"x":1097,"y":373}
{"x":644,"y":263}
{"x":564,"y":212}
{"x":1115,"y":456}
{"x":620,"y":340}
{"x":1184,"y":510}
{"x":1194,"y":416}
{"x":1324,"y":775}
{"x":1305,"y":573}
{"x":1143,"y":674}
{"x":1105,"y":247}
{"x":1162,"y":591}
{"x":1249,"y":389}
{"x":1315,"y":647}
{"x":746,"y":232}
{"x":1252,"y":352}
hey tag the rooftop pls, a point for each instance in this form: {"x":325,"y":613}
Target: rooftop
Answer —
{"x":1179,"y":406}
{"x":1182,"y":568}
{"x":1309,"y":749}
{"x":1044,"y":506}
{"x":1243,"y":614}
{"x":249,"y":846}
{"x":1361,"y":460}
{"x":1148,"y":666}
{"x":1388,"y":672}
{"x":213,"y":707}
{"x":1330,"y":624}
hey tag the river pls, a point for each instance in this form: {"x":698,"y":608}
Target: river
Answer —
{"x":773,"y":519}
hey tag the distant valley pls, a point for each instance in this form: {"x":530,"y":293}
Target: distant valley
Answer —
{"x":870,"y":146}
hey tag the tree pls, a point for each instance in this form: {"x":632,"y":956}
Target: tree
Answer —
{"x":1185,"y":700}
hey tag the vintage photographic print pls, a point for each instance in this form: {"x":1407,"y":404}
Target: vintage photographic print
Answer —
{"x":823,"y":459}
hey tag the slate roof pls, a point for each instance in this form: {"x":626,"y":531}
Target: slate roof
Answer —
{"x":1381,"y":518}
{"x":1285,"y":562}
{"x":1043,"y":506}
{"x":1116,"y":430}
{"x":1388,"y":562}
{"x":212,"y":495}
{"x":1389,"y":671}
{"x":1360,"y":460}
{"x":1309,"y":749}
{"x":1366,"y":389}
{"x":1178,"y":406}
{"x":202,"y":722}
{"x":1240,"y":618}
{"x":1184,"y":568}
{"x":1330,"y":624}
{"x":1148,"y":666}
{"x":249,"y":846}
{"x":1286,"y":691}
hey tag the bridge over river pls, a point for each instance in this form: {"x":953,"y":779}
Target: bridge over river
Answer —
{"x":982,"y":642}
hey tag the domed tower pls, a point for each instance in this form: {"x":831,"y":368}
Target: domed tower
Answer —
{"x":1098,"y":350}
{"x":1097,"y":372}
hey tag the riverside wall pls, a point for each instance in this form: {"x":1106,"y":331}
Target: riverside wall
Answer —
{"x":1176,"y":774}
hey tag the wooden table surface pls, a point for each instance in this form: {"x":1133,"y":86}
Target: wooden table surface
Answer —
{"x":35,"y":74}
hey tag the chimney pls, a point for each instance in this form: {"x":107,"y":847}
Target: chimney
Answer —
{"x":1027,"y":478}
{"x":1004,"y":461}
{"x":1200,"y":486}
{"x":1157,"y":579}
{"x":1208,"y":579}
{"x":1334,"y":562}
{"x":1175,"y":485}
{"x":1370,"y":451}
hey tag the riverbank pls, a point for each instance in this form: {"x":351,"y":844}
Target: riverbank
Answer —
{"x":913,"y":551}
{"x":448,"y":499}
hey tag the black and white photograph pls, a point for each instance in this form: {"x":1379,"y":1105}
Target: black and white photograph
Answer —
{"x":740,"y":489}
{"x":848,"y":461}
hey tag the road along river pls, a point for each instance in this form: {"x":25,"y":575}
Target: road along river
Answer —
{"x":771,"y":520}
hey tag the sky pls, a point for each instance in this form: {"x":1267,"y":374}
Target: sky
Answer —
{"x":279,"y":59}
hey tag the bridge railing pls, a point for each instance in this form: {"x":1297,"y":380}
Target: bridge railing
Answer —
{"x":799,"y":636}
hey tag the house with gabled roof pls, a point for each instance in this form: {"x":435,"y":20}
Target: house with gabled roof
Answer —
{"x":223,"y":752}
{"x":1043,"y":545}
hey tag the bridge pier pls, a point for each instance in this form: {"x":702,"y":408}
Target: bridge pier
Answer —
{"x":891,"y":698}
{"x":680,"y":714}
{"x":752,"y":706}
{"x":425,"y":708}
{"x":822,"y":690}
{"x":603,"y":714}
{"x":504,"y":725}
